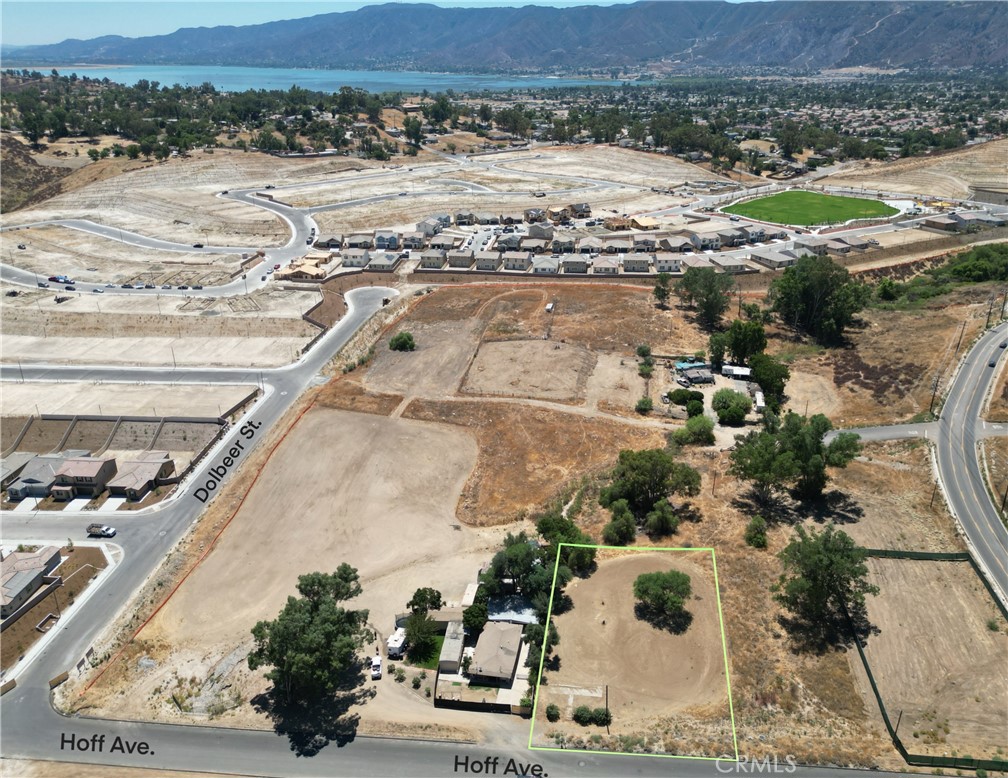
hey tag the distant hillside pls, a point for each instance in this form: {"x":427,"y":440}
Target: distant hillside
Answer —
{"x":804,"y":34}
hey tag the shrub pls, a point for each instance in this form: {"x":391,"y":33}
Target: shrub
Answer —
{"x":684,"y":396}
{"x":620,"y":531}
{"x":552,"y":712}
{"x":694,"y":408}
{"x":400,"y":675}
{"x":731,"y":407}
{"x":644,"y":370}
{"x":402,"y":341}
{"x":755,"y":533}
{"x":583,"y":715}
{"x":699,"y":431}
{"x":601,"y":717}
{"x":427,"y":691}
{"x":643,"y":350}
{"x":992,"y":625}
{"x":644,"y":405}
{"x":416,"y":681}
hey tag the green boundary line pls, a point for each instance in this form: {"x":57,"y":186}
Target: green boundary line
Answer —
{"x":724,"y":648}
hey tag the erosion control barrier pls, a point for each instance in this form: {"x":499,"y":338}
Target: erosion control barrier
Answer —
{"x":7,"y":686}
{"x":923,"y":760}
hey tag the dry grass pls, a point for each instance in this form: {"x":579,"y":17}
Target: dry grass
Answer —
{"x":995,"y":454}
{"x":346,"y":393}
{"x":997,"y":408}
{"x":527,"y":454}
{"x":886,"y":374}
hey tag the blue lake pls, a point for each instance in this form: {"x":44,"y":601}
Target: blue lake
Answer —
{"x":240,"y":79}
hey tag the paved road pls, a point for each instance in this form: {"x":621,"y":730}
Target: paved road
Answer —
{"x":955,"y":436}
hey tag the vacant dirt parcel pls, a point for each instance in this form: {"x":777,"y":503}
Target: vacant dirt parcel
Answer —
{"x":667,"y":692}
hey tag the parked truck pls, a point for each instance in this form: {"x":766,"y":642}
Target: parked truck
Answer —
{"x":376,"y":667}
{"x":100,"y":530}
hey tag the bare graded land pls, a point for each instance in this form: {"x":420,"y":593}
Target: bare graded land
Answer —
{"x":954,"y":694}
{"x":265,"y":329}
{"x":605,"y":162}
{"x":667,"y":692}
{"x":538,"y":369}
{"x":383,"y":501}
{"x":91,"y":399}
{"x":995,"y":452}
{"x":945,"y":175}
{"x":886,"y":375}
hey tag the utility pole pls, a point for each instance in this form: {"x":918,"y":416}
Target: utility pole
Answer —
{"x":934,"y":393}
{"x":958,"y":342}
{"x":990,"y":308}
{"x":1003,"y":499}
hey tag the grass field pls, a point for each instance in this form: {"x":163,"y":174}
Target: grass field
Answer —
{"x":799,"y":207}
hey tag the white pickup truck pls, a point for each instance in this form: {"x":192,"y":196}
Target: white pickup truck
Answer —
{"x":375,"y":667}
{"x":100,"y":530}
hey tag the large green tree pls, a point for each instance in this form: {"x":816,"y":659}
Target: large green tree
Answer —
{"x":661,"y":598}
{"x":425,"y":599}
{"x":662,"y":289}
{"x":312,"y":646}
{"x":708,"y":291}
{"x":643,"y":478}
{"x":421,"y":635}
{"x":823,"y":573}
{"x":745,"y":338}
{"x":817,"y":296}
{"x":758,"y":458}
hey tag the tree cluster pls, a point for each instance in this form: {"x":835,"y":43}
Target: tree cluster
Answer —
{"x":817,"y":296}
{"x":791,"y":452}
{"x":639,"y":492}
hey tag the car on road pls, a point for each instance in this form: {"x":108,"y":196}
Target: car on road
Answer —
{"x":733,"y":218}
{"x":53,"y":278}
{"x":270,"y":186}
{"x":126,"y":286}
{"x":101,"y":530}
{"x":166,"y":286}
{"x":992,"y":363}
{"x":263,"y":278}
{"x":70,"y":288}
{"x":43,"y":284}
{"x":149,"y":286}
{"x":183,"y":286}
{"x":402,"y":194}
{"x":1003,"y":344}
{"x":110,"y":286}
{"x":197,"y":245}
{"x":276,"y":266}
{"x":197,"y":286}
{"x":98,"y":290}
{"x":225,"y":191}
{"x":21,"y":246}
{"x":269,"y":271}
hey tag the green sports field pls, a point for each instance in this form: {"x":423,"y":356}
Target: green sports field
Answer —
{"x":799,"y":207}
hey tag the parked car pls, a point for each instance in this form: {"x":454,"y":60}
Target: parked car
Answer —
{"x":183,"y":286}
{"x":276,"y":266}
{"x":43,"y":284}
{"x":21,"y":246}
{"x":101,"y":530}
{"x":197,"y":286}
{"x":127,"y":286}
{"x":149,"y":286}
{"x":54,"y":278}
{"x":96,"y":290}
{"x":166,"y":286}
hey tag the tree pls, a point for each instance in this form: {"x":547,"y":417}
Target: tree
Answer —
{"x":772,"y":377}
{"x":475,"y":616}
{"x":755,"y":533}
{"x":699,"y":431}
{"x":661,"y":521}
{"x":313,"y":643}
{"x":717,"y":344}
{"x":556,"y":529}
{"x":661,"y":599}
{"x":817,"y":296}
{"x":731,"y":407}
{"x":623,"y":527}
{"x":402,"y":341}
{"x":708,"y":291}
{"x":643,"y":478}
{"x":745,"y":338}
{"x":805,"y":439}
{"x":413,"y":130}
{"x":663,"y":289}
{"x":93,"y":154}
{"x":759,"y":458}
{"x":823,"y":573}
{"x":425,"y":599}
{"x":644,"y":405}
{"x":421,"y":634}
{"x":694,"y":408}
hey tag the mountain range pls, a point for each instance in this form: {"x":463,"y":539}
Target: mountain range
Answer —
{"x":800,"y":35}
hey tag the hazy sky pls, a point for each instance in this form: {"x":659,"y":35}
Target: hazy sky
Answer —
{"x":42,"y":21}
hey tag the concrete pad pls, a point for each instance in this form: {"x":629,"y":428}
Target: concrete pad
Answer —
{"x":113,"y":503}
{"x":76,"y":505}
{"x":27,"y":505}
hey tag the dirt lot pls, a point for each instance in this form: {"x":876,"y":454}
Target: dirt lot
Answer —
{"x":528,"y":454}
{"x":539,"y":369}
{"x":119,"y":399}
{"x":78,"y":568}
{"x":669,"y":688}
{"x":954,"y":695}
{"x":24,"y":768}
{"x":945,"y":175}
{"x":392,"y":490}
{"x":887,"y":374}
